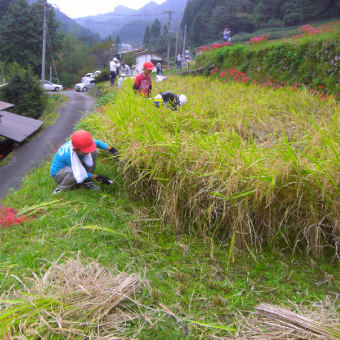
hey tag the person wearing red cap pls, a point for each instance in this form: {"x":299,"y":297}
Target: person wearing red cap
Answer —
{"x":143,"y":82}
{"x":75,"y":162}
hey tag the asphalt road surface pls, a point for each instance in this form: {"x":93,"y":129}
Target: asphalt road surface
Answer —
{"x":34,"y":152}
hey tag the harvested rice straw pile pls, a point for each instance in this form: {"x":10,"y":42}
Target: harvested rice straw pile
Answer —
{"x":75,"y":301}
{"x":273,"y":322}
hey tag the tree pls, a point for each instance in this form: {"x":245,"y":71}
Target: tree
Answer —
{"x":75,"y":60}
{"x":21,"y":34}
{"x":205,"y":20}
{"x":4,"y":4}
{"x":117,"y":43}
{"x":147,"y":34}
{"x":24,"y":90}
{"x":155,"y":31}
{"x":102,"y":53}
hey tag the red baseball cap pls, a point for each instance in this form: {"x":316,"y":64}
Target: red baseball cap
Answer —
{"x":83,"y":141}
{"x":148,"y":65}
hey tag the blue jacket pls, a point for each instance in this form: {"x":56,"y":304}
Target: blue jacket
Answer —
{"x":62,"y":157}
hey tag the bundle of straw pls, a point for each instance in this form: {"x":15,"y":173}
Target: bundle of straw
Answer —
{"x":74,"y":301}
{"x":274,"y":322}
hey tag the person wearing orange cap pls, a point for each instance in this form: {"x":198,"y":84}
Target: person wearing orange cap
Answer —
{"x":143,"y":82}
{"x":74,"y":162}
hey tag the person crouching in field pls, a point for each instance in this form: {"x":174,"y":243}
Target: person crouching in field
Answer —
{"x":143,"y":82}
{"x":75,"y":162}
{"x":170,"y":100}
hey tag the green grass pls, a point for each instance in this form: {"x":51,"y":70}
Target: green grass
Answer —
{"x":202,"y":280}
{"x":49,"y":115}
{"x":197,"y":279}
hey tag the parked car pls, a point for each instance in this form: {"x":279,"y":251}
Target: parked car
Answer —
{"x":48,"y":86}
{"x":88,"y":84}
{"x":87,"y":76}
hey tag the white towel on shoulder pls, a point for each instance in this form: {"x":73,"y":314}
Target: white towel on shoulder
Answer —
{"x":79,"y":172}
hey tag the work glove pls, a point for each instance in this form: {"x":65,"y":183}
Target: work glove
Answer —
{"x":113,"y":151}
{"x":103,"y":179}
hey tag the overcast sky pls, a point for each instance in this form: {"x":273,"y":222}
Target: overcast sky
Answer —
{"x":83,"y":8}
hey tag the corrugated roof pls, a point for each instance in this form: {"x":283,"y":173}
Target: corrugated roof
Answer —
{"x":17,"y":127}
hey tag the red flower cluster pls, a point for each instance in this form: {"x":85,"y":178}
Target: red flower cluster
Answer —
{"x":213,"y":46}
{"x":9,"y":217}
{"x":235,"y":75}
{"x":310,"y":29}
{"x":214,"y":70}
{"x":256,"y":39}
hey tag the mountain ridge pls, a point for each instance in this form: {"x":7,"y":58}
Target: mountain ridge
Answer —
{"x":117,"y":22}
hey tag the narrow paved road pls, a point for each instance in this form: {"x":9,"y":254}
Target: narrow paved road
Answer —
{"x":31,"y":154}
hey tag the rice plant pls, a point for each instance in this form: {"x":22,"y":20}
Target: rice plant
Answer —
{"x":259,"y":163}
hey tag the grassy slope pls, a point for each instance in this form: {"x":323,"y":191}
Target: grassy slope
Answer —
{"x":309,"y":60}
{"x":197,"y":277}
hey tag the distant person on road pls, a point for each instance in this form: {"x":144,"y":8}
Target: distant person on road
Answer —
{"x":179,"y":61}
{"x":159,"y":69}
{"x":75,"y":162}
{"x":226,"y":34}
{"x":143,"y":82}
{"x":170,"y":100}
{"x":125,"y":70}
{"x":114,"y":67}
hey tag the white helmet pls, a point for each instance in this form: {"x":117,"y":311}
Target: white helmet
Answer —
{"x":115,"y":59}
{"x":182,"y":99}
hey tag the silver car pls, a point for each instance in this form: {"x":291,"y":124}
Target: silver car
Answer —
{"x":48,"y":86}
{"x":88,"y":84}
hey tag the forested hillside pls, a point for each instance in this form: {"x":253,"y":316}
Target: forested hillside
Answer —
{"x":206,"y":19}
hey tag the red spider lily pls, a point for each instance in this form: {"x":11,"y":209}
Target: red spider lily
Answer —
{"x":8,"y":217}
{"x":320,"y":87}
{"x":222,"y":74}
{"x":256,"y":39}
{"x":213,"y":46}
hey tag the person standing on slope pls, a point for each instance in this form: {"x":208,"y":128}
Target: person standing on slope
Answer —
{"x":114,"y":67}
{"x":143,"y":82}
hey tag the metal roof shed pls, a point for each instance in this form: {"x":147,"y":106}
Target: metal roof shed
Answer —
{"x":16,"y":127}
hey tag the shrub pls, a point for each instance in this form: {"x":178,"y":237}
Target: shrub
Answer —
{"x":104,"y":75}
{"x":25,"y":91}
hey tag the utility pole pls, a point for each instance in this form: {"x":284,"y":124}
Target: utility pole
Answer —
{"x":44,"y":45}
{"x":169,"y":27}
{"x":184,"y":38}
{"x":177,"y":35}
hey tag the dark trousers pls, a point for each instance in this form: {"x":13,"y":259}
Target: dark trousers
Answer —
{"x":113,"y":76}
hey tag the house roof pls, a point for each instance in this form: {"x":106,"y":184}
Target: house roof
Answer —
{"x":149,"y":52}
{"x":4,"y":105}
{"x":133,"y":51}
{"x":17,"y":127}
